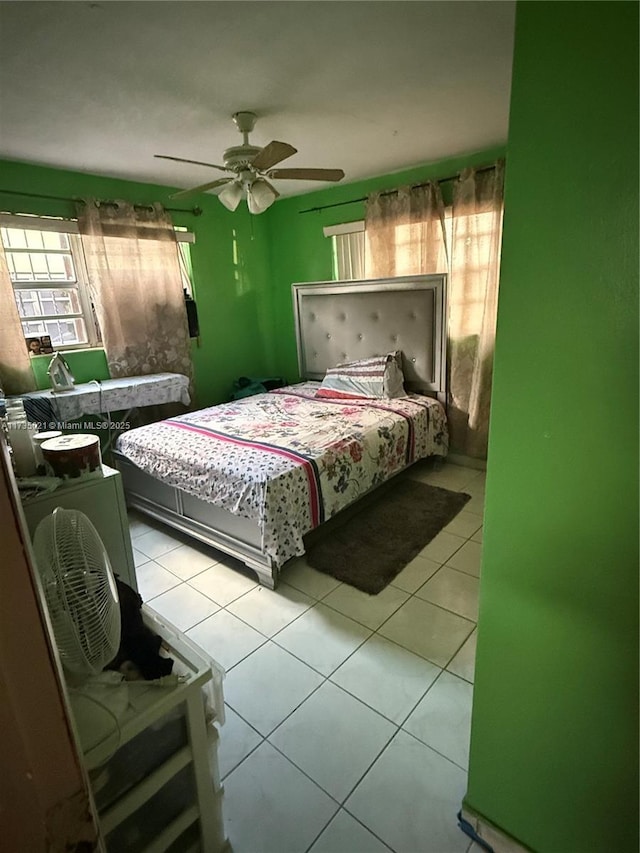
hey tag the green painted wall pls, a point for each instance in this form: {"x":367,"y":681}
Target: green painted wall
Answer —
{"x":85,"y":365}
{"x":230,"y":268}
{"x":300,"y":251}
{"x":554,"y":747}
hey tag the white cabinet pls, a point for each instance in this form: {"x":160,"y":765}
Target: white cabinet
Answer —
{"x":102,"y":500}
{"x":155,"y":780}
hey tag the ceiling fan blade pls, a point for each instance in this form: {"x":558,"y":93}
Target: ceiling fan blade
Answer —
{"x":196,"y":162}
{"x":271,"y":154}
{"x":202,"y":188}
{"x":308,"y":174}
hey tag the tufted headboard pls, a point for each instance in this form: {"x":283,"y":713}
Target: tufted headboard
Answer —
{"x":348,"y":320}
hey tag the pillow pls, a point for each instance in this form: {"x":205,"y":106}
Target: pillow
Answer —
{"x":378,"y":377}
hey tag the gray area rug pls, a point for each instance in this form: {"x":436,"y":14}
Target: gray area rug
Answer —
{"x":381,"y":534}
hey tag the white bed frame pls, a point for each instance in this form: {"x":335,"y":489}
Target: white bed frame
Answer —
{"x":335,"y":322}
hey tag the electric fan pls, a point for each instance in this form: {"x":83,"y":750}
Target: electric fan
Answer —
{"x":80,"y":591}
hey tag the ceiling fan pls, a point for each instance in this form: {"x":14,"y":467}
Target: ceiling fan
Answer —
{"x":252,"y":170}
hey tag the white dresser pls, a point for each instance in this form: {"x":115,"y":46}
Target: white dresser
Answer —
{"x":155,"y":776}
{"x":102,"y":500}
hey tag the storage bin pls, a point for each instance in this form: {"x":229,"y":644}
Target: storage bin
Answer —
{"x":138,"y":758}
{"x":160,"y":790}
{"x":155,"y":816}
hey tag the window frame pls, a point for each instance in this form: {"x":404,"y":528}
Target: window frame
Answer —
{"x":79,"y":284}
{"x":69,"y":227}
{"x":335,"y":232}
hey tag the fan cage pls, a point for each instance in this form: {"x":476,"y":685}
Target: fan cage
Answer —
{"x":80,"y":591}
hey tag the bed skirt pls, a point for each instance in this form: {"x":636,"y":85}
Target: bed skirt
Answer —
{"x":239,"y":537}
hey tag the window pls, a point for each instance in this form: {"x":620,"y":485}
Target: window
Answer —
{"x":184,"y":261}
{"x":472,"y":239}
{"x":46,"y":267}
{"x":347,"y":249}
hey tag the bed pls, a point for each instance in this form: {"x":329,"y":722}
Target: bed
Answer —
{"x":252,"y":477}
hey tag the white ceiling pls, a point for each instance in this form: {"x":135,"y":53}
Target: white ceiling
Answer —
{"x":369,"y":87}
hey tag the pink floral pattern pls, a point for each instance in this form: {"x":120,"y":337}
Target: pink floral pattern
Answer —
{"x":287,"y":459}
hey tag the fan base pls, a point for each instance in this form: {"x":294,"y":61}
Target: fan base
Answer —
{"x":240,"y":156}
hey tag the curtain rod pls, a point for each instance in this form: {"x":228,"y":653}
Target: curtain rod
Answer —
{"x":194,"y":211}
{"x":391,"y":192}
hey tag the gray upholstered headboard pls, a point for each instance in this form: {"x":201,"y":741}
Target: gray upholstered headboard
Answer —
{"x":348,"y":320}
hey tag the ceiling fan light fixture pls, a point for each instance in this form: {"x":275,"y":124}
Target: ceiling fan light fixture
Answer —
{"x":250,"y":166}
{"x":231,"y":195}
{"x":260,"y":196}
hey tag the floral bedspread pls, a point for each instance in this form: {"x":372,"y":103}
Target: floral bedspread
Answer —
{"x":286,"y":459}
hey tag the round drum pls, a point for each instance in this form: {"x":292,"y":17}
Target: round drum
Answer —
{"x":39,"y":439}
{"x":72,"y":456}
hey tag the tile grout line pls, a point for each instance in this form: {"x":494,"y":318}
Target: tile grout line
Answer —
{"x":357,"y":698}
{"x":368,"y":829}
{"x":317,"y":601}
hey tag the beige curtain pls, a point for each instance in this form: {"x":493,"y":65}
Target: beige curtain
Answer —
{"x":16,"y":376}
{"x":135,"y":283}
{"x":476,"y":233}
{"x":404,"y":232}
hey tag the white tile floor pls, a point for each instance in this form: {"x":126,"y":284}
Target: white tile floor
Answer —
{"x":348,"y":715}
